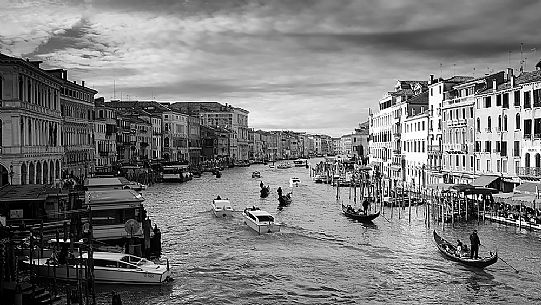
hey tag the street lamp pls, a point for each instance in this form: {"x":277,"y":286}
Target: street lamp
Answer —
{"x":11,"y":173}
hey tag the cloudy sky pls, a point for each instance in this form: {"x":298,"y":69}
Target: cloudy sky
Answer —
{"x":303,"y":65}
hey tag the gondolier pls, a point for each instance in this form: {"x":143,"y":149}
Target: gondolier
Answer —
{"x":475,"y":242}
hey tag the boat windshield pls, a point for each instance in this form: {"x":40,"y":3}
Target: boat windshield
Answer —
{"x":263,"y":218}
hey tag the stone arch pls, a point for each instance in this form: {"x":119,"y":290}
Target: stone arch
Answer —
{"x":45,"y":172}
{"x":24,"y":174}
{"x":39,"y":173}
{"x":31,"y":173}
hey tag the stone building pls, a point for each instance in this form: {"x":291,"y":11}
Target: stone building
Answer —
{"x":77,"y":109}
{"x":31,"y":149}
{"x":105,"y":131}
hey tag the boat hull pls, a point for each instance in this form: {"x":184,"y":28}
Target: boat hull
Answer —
{"x":261,"y":228}
{"x":101,"y":274}
{"x":361,"y":217}
{"x":443,"y":245}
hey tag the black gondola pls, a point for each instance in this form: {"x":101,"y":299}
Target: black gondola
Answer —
{"x":448,"y":250}
{"x":358,"y":215}
{"x":285,"y":200}
{"x":265,"y":192}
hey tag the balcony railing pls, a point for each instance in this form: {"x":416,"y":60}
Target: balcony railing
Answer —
{"x":529,"y":171}
{"x":537,"y":136}
{"x":527,"y":136}
{"x":488,"y":129}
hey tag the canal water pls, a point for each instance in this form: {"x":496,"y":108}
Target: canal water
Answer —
{"x":320,"y":256}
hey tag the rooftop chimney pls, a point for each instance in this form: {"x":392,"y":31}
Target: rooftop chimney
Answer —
{"x":511,"y":77}
{"x":431,"y":79}
{"x":494,"y":85}
{"x":83,"y":83}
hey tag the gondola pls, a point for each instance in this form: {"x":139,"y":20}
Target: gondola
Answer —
{"x":285,"y":200}
{"x":264,"y":192}
{"x":358,"y":215}
{"x":448,"y":251}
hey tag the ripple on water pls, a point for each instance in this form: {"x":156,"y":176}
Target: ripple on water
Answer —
{"x":320,"y":257}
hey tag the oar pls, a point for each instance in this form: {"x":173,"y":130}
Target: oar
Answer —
{"x":508,"y":264}
{"x":500,"y":258}
{"x":385,"y":217}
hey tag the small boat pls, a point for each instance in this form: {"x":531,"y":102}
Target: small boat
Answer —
{"x":285,"y":200}
{"x":285,"y":165}
{"x":109,"y":268}
{"x":218,"y":174}
{"x":448,"y":250}
{"x":260,"y":221}
{"x":264,"y":193}
{"x":294,"y":181}
{"x":221,"y":208}
{"x":300,"y":163}
{"x":256,"y":175}
{"x":358,"y":215}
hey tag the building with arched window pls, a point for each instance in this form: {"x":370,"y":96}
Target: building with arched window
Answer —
{"x":31,"y":123}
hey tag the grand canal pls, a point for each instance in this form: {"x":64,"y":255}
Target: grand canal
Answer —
{"x":320,"y":257}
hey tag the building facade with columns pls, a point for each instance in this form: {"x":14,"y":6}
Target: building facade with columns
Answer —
{"x":30,"y":123}
{"x":77,"y":109}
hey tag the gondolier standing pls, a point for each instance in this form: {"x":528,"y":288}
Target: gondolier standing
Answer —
{"x":475,"y":242}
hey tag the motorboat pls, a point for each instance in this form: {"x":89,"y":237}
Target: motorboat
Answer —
{"x":221,"y":208}
{"x":285,"y":200}
{"x":260,"y":221}
{"x":109,"y":268}
{"x":285,"y":165}
{"x":256,"y":175}
{"x":294,"y":181}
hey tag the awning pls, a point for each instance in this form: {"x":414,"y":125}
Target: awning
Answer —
{"x":484,"y":180}
{"x":528,"y":188}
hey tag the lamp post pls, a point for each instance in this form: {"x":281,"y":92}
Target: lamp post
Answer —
{"x":11,"y":173}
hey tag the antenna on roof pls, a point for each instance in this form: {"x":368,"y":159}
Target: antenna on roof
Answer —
{"x":521,"y":58}
{"x":441,"y":70}
{"x":114,"y":89}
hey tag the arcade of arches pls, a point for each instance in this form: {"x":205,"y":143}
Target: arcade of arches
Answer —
{"x":31,"y":172}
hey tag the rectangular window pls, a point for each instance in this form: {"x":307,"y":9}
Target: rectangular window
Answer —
{"x":498,"y":100}
{"x":498,"y":166}
{"x":503,"y":152}
{"x":505,"y":100}
{"x":498,"y":148}
{"x":478,"y":164}
{"x":504,"y":166}
{"x":488,"y":166}
{"x":516,"y":98}
{"x":488,"y":102}
{"x":516,"y":149}
{"x":517,"y":166}
{"x":527,"y":100}
{"x":537,"y":98}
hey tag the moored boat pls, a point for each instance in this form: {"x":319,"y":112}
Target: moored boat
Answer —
{"x":448,"y":250}
{"x":358,"y":215}
{"x":256,"y":175}
{"x":294,"y":181}
{"x":260,"y":221}
{"x":285,"y":200}
{"x":318,"y":179}
{"x":109,"y":268}
{"x":222,"y":208}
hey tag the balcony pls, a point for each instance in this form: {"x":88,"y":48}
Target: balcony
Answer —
{"x":527,"y":136}
{"x":457,"y":123}
{"x":396,"y":151}
{"x":537,"y":136}
{"x":9,"y":150}
{"x":530,"y":172}
{"x":434,"y":148}
{"x":489,"y":130}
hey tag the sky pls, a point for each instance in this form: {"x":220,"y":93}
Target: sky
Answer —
{"x":302,"y":65}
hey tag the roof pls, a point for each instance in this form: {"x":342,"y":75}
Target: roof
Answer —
{"x":100,"y":182}
{"x":524,"y":78}
{"x":421,"y":98}
{"x":459,"y":79}
{"x":26,"y":192}
{"x":528,"y":188}
{"x":484,"y":180}
{"x":112,"y":196}
{"x":259,"y":212}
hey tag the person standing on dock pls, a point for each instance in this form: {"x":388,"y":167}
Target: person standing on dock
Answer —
{"x":261,"y":184}
{"x":475,"y":242}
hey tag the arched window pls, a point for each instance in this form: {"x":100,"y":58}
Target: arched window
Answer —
{"x":527,"y":160}
{"x":489,"y":123}
{"x":505,"y":122}
{"x":499,"y":123}
{"x":537,"y":160}
{"x":517,"y":121}
{"x":478,"y":125}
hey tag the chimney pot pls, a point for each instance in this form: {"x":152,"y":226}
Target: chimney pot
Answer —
{"x":431,"y":79}
{"x":494,"y":85}
{"x":83,"y":83}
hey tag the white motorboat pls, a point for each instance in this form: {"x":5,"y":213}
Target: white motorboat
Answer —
{"x":260,"y":221}
{"x":221,"y":208}
{"x":294,"y":181}
{"x":109,"y":268}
